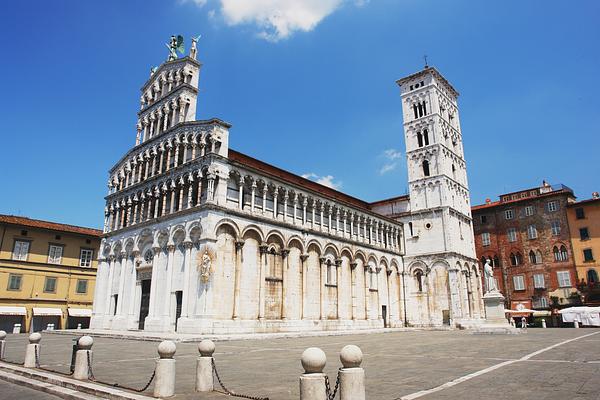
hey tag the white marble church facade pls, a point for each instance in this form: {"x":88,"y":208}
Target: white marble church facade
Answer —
{"x":200,"y":238}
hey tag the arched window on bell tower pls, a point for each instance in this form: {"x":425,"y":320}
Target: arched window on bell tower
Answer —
{"x":426,"y":168}
{"x":425,"y":134}
{"x":420,"y":139}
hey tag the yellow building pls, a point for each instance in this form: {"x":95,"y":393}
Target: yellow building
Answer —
{"x":584,"y":225}
{"x":47,"y":274}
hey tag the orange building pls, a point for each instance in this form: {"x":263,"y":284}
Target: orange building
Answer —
{"x":584,"y":226}
{"x":47,"y":274}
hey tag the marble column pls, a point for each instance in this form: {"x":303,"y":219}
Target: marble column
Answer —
{"x":284,"y":284}
{"x":379,"y":316}
{"x":133,"y":283}
{"x":123,"y":264}
{"x":187,"y":272}
{"x":390,"y":285}
{"x":239,"y":246}
{"x":154,"y":281}
{"x":261,"y":282}
{"x":338,"y":284}
{"x":367,"y":291}
{"x":169,"y":281}
{"x":353,"y":288}
{"x":108,"y":296}
{"x":303,"y":258}
{"x":323,"y":271}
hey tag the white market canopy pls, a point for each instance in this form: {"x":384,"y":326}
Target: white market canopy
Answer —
{"x":585,"y":315}
{"x":13,"y":310}
{"x":45,"y":312}
{"x":80,"y":312}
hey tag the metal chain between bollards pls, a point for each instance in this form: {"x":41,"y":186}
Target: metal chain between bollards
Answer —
{"x":91,"y":377}
{"x":330,"y":395}
{"x":38,"y":366}
{"x":229,"y":392}
{"x":12,"y":362}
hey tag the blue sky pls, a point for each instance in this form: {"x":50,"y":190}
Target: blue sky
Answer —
{"x":309,"y":88}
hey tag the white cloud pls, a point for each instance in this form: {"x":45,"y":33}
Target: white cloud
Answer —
{"x":326,"y":180}
{"x":391,"y":156}
{"x":387,"y":168}
{"x":278,"y":19}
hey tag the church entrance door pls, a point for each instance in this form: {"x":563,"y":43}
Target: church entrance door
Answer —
{"x":145,"y":303}
{"x":179,"y":301}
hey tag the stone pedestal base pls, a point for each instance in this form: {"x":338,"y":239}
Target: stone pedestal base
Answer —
{"x":494,"y":308}
{"x":495,"y":319}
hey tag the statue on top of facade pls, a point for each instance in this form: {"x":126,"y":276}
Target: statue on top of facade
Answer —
{"x":175,"y":46}
{"x":490,"y":282}
{"x":194,"y":48}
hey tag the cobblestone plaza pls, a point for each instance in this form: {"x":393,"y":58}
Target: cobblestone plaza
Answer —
{"x":397,"y":365}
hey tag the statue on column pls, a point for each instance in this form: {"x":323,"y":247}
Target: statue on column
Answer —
{"x":194,"y":48}
{"x":490,"y":282}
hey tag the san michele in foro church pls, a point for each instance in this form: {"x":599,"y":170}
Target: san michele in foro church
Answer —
{"x":201,"y":238}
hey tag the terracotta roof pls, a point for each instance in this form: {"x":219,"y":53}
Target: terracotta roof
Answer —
{"x":501,"y":203}
{"x":288,"y":177}
{"x":403,"y":197}
{"x":55,"y":226}
{"x":582,"y":202}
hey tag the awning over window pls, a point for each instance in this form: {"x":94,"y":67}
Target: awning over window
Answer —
{"x":80,"y":312}
{"x":13,"y":310}
{"x":41,"y":312}
{"x":542,"y":313}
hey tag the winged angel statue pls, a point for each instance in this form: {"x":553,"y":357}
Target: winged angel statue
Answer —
{"x":175,"y":46}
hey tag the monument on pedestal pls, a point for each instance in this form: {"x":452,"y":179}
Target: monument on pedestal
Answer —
{"x":493,"y":301}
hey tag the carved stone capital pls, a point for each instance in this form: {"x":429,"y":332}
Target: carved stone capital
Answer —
{"x":338,"y":262}
{"x":322,"y":260}
{"x":171,"y":248}
{"x":239,"y":244}
{"x":353,"y":265}
{"x":188,"y":245}
{"x":263,"y":249}
{"x":303,"y":257}
{"x":284,"y":253}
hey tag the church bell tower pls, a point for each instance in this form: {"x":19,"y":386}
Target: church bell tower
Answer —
{"x":439,"y":192}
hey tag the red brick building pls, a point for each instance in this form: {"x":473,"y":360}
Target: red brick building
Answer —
{"x":526,"y":235}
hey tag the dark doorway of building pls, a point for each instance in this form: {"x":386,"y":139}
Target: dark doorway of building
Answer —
{"x":178,"y":299}
{"x":145,"y":303}
{"x":41,"y":322}
{"x":72,"y":322}
{"x":384,"y":313}
{"x":8,"y":322}
{"x":446,"y":317}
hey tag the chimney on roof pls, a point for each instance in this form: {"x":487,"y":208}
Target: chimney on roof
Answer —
{"x":595,"y":195}
{"x":488,"y":200}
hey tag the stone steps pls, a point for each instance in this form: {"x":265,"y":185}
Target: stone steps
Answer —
{"x":62,"y":386}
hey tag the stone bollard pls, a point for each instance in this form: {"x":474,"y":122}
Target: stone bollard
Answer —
{"x":164,"y":385}
{"x":33,"y":350}
{"x":352,"y":376}
{"x":83,"y":358}
{"x":312,"y":382}
{"x":543,"y":323}
{"x":576,"y":324}
{"x":204,"y":366}
{"x":2,"y":343}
